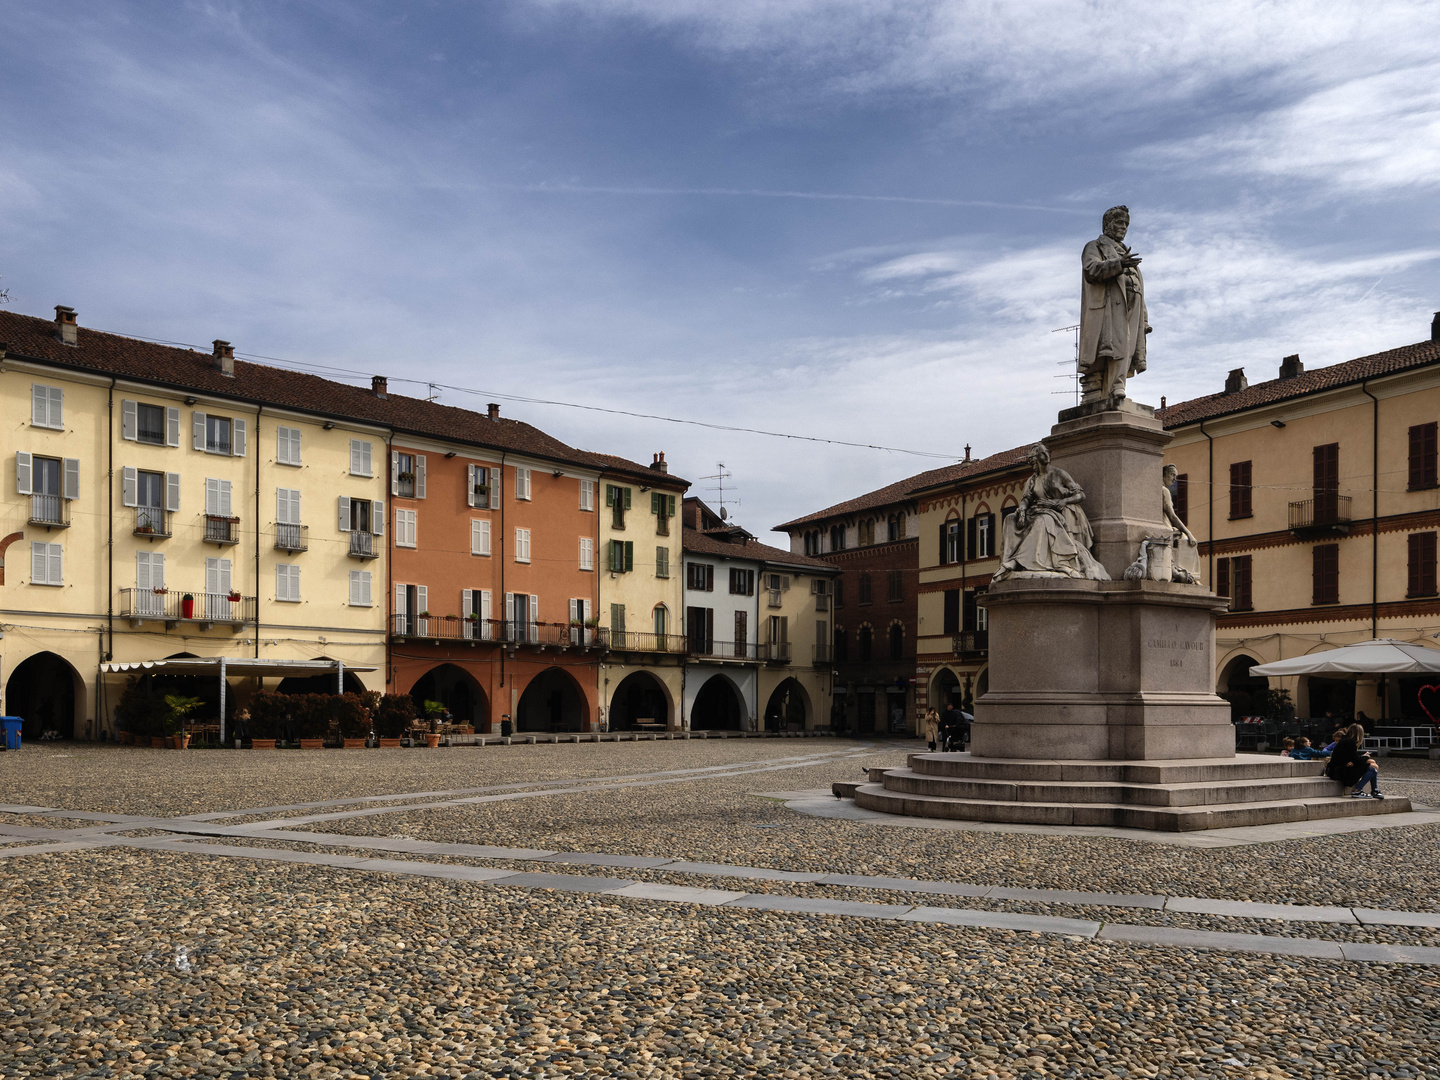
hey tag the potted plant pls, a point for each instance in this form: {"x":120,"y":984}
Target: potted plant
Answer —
{"x":310,"y":717}
{"x":352,"y":719}
{"x":187,"y":606}
{"x":435,"y":714}
{"x":234,"y":596}
{"x":394,"y":713}
{"x":179,"y":707}
{"x":266,"y":718}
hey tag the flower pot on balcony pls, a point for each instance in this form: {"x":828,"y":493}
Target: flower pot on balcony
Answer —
{"x":187,"y":606}
{"x":355,"y":744}
{"x":389,"y":744}
{"x":234,"y":598}
{"x":432,"y":740}
{"x":262,"y":744}
{"x":312,"y":744}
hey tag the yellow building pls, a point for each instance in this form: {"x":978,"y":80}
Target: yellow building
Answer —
{"x":170,"y":503}
{"x":1317,"y":503}
{"x":640,"y":568}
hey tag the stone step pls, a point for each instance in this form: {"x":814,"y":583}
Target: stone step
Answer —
{"x":1267,"y":789}
{"x":844,"y":789}
{"x":1197,"y":771}
{"x":1114,"y":815}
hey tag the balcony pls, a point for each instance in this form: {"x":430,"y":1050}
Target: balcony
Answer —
{"x":776,"y":598}
{"x":745,"y":651}
{"x":365,"y":545}
{"x":221,"y":530}
{"x":52,"y":511}
{"x":497,"y":631}
{"x":173,"y":606}
{"x":777,"y":652}
{"x":822,"y":654}
{"x":636,"y":641}
{"x":152,"y":523}
{"x":971,"y":643}
{"x":292,"y":537}
{"x":1327,"y":514}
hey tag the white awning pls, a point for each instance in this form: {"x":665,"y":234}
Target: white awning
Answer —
{"x":1384,"y":656}
{"x":238,"y":666}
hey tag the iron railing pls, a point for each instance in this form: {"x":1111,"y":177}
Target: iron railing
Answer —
{"x":52,"y":511}
{"x":638,"y":641}
{"x":364,"y":545}
{"x":292,"y":537}
{"x":776,"y":598}
{"x":970,"y":642}
{"x":500,"y":631}
{"x":777,"y":652}
{"x":151,"y":521}
{"x":173,"y":605}
{"x":1327,"y":509}
{"x":726,"y":650}
{"x":221,"y":530}
{"x":822,"y":653}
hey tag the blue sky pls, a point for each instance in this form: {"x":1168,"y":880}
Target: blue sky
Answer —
{"x":858,"y":221}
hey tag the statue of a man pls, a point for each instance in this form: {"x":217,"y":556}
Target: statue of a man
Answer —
{"x":1113,"y":319}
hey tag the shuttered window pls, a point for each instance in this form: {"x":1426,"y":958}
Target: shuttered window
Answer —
{"x":287,"y":446}
{"x":622,"y":556}
{"x":360,"y":588}
{"x":47,"y":406}
{"x":479,"y":537}
{"x":46,"y":564}
{"x":1325,"y":574}
{"x":405,"y":528}
{"x":1181,"y":497}
{"x":587,"y":494}
{"x":522,"y":484}
{"x":662,"y":562}
{"x":1422,"y":457}
{"x":1222,"y":577}
{"x":700,"y":577}
{"x":361,"y":457}
{"x":522,"y":544}
{"x":1240,"y":490}
{"x":587,"y":553}
{"x":1240,"y":582}
{"x":1422,"y":564}
{"x":1327,"y":483}
{"x":287,"y":583}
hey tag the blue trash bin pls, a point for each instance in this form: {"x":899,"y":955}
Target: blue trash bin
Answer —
{"x":12,"y":725}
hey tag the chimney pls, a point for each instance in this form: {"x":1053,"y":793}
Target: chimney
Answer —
{"x":1435,"y":327}
{"x":224,"y":358}
{"x":494,"y":410}
{"x":967,"y":451}
{"x":659,"y":464}
{"x":1236,"y":381}
{"x":65,"y":328}
{"x":1291,"y":366}
{"x":1162,"y":402}
{"x":378,"y":385}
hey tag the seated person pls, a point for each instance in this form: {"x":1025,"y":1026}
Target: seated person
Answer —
{"x":1354,"y":768}
{"x":1334,"y":742}
{"x":1304,"y":751}
{"x":1286,"y":747}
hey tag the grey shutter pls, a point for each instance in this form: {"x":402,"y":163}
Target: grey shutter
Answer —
{"x":172,"y":491}
{"x":39,"y":405}
{"x":495,"y":484}
{"x":172,"y":427}
{"x":39,"y":564}
{"x":534,"y":617}
{"x":377,"y":518}
{"x":71,"y":489}
{"x":394,"y":473}
{"x":23,"y":473}
{"x":57,"y":412}
{"x":225,"y":510}
{"x":197,"y":429}
{"x":469,"y":485}
{"x":129,"y":486}
{"x":129,"y":424}
{"x":344,"y":508}
{"x":237,"y":442}
{"x":419,"y":476}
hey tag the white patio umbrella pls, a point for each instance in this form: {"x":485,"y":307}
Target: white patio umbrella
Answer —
{"x":1384,"y":656}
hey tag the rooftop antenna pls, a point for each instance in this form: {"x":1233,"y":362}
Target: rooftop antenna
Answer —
{"x":434,"y":394}
{"x":1074,"y":373}
{"x":720,"y":476}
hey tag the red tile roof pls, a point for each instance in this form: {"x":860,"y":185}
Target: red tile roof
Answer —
{"x":1325,"y":378}
{"x":30,"y":338}
{"x":612,"y":463}
{"x":704,"y":544}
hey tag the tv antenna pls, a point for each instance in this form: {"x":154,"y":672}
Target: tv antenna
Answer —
{"x":434,"y":394}
{"x":720,"y":476}
{"x":1074,"y":373}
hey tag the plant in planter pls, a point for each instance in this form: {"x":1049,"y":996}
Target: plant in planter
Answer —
{"x":267,"y":719}
{"x":394,"y":713}
{"x":234,"y":596}
{"x":435,"y":715}
{"x":310,"y":719}
{"x":179,"y":709}
{"x":352,"y":719}
{"x":140,"y":711}
{"x":593,"y":621}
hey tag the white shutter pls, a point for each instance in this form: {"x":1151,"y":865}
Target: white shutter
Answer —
{"x":365,"y":600}
{"x":475,"y":537}
{"x":484,"y":538}
{"x":419,"y":476}
{"x":282,"y":506}
{"x":495,"y":478}
{"x":212,"y":576}
{"x":394,"y":473}
{"x":587,"y":553}
{"x":142,"y":575}
{"x":212,"y":496}
{"x":57,"y":412}
{"x":467,"y":601}
{"x":197,"y":429}
{"x":157,"y":570}
{"x":224,"y":575}
{"x":469,"y":485}
{"x":575,"y":611}
{"x":57,"y":574}
{"x":237,"y":442}
{"x":39,"y":563}
{"x":356,"y":464}
{"x":354,"y":588}
{"x":400,"y":600}
{"x":129,"y":422}
{"x":422,"y":598}
{"x":39,"y":405}
{"x":510,"y":615}
{"x":344,"y":508}
{"x":129,"y":486}
{"x":282,"y":582}
{"x":225,"y":498}
{"x":23,"y":473}
{"x":172,"y":427}
{"x":587,"y":494}
{"x":72,"y":478}
{"x":534,"y":617}
{"x":377,"y":518}
{"x":485,"y":616}
{"x":172,"y":491}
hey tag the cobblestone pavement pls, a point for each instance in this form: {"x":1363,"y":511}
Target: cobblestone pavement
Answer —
{"x":122,"y":960}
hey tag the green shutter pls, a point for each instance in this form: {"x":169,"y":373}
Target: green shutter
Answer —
{"x":627,"y":497}
{"x":609,"y":494}
{"x":669,"y":505}
{"x":655,"y":498}
{"x":629,"y":555}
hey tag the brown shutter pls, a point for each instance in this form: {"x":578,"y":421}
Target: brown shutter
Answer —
{"x":1222,"y":577}
{"x":944,"y":528}
{"x":1182,"y":497}
{"x":1240,"y":506}
{"x":1327,"y":483}
{"x":1422,"y":564}
{"x":952,"y":611}
{"x":1325,"y":573}
{"x":1240,"y":571}
{"x":1422,"y":457}
{"x":1413,"y":540}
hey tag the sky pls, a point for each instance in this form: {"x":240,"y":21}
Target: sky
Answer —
{"x":853,"y":221}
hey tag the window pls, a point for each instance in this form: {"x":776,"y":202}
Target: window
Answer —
{"x":287,"y":583}
{"x":149,"y":583}
{"x":741,"y":637}
{"x":407,"y":475}
{"x":842,"y":648}
{"x":1232,"y":579}
{"x":1180,"y":497}
{"x":587,"y":494}
{"x":217,"y":589}
{"x":217,"y":498}
{"x":1422,"y":564}
{"x":522,"y":545}
{"x":981,"y":537}
{"x":778,"y":636}
{"x":864,"y":588}
{"x":700,"y":577}
{"x":1325,"y":574}
{"x":1327,"y":483}
{"x":522,"y":484}
{"x":950,"y":549}
{"x":46,"y":564}
{"x":362,"y":457}
{"x":866,"y":532}
{"x":1239,"y":490}
{"x":897,"y":642}
{"x":475,"y":610}
{"x":622,"y":556}
{"x":820,"y":589}
{"x":360,"y":588}
{"x":617,"y":619}
{"x":47,"y":406}
{"x":1422,"y":457}
{"x":662,"y":562}
{"x":522,"y":616}
{"x":618,"y":499}
{"x":742,"y":582}
{"x":479,"y":537}
{"x":152,"y":424}
{"x":700,"y":625}
{"x":1222,"y":578}
{"x":361,"y":516}
{"x":405,"y":528}
{"x":896,"y":580}
{"x":287,"y":446}
{"x":663,"y":507}
{"x":477,"y":487}
{"x":217,"y":434}
{"x":864,"y":639}
{"x":952,"y":611}
{"x":587,"y":553}
{"x":660,"y":619}
{"x":837,"y":538}
{"x":839,"y":592}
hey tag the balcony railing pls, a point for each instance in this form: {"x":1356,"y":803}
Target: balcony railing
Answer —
{"x":822,"y":653}
{"x":364,"y":545}
{"x":726,"y":650}
{"x":173,"y":605}
{"x":776,"y":598}
{"x":458,"y":628}
{"x":221,"y":530}
{"x":292,"y":537}
{"x":52,"y":511}
{"x":637,"y":641}
{"x":971,"y":643}
{"x":152,"y":522}
{"x":1327,"y":511}
{"x":777,"y":652}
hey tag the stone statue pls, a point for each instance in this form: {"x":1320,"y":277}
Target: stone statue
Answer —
{"x":1186,"y":548}
{"x":1048,"y":535}
{"x":1113,"y":319}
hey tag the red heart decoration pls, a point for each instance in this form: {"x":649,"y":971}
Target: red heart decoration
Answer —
{"x":1420,"y":700}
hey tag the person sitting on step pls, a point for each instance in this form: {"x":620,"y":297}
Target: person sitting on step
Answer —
{"x":1287,"y":747}
{"x":1354,"y":768}
{"x":1305,"y":752}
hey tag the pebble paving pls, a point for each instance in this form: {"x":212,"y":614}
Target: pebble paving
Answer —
{"x":119,"y":961}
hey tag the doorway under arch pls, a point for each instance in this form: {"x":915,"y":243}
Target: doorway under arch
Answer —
{"x":44,"y":691}
{"x":552,"y":702}
{"x":640,"y":696}
{"x":319,"y":684}
{"x":457,"y":690}
{"x":946,"y":689}
{"x":788,"y":708}
{"x":1244,"y":692}
{"x":718,"y":706}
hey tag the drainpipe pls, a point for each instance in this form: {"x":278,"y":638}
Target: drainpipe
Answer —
{"x":1374,"y":514}
{"x":386,"y":621}
{"x":260,"y":679}
{"x":1210,"y":503}
{"x":110,"y":527}
{"x":497,"y":550}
